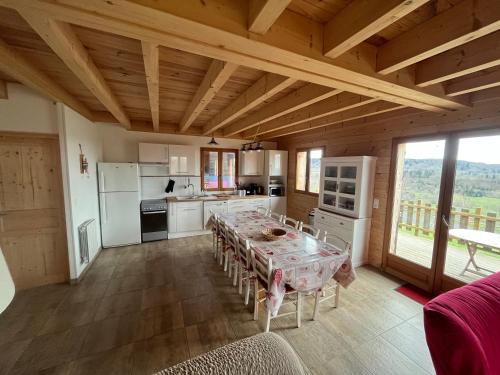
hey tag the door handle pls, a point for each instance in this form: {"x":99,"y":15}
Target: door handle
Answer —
{"x":445,"y":222}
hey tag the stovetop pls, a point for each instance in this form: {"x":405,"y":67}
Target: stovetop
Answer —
{"x":154,"y":205}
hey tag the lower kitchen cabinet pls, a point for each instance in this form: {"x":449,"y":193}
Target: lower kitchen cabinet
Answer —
{"x":217,"y":207}
{"x":185,"y":217}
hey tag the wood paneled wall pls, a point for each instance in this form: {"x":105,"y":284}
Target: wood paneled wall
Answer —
{"x":375,"y":138}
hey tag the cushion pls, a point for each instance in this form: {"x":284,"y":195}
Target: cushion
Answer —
{"x":265,"y":353}
{"x":462,"y":329}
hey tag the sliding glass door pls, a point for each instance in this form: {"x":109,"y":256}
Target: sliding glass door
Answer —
{"x":443,"y":226}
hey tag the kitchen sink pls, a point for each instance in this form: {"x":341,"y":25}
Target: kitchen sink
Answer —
{"x":197,"y":197}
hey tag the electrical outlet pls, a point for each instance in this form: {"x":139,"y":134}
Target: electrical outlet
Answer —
{"x":375,"y":203}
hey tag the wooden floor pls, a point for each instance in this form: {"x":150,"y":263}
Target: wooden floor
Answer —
{"x":419,"y":250}
{"x":147,"y":307}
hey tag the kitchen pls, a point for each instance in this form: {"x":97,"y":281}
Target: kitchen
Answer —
{"x":173,"y":189}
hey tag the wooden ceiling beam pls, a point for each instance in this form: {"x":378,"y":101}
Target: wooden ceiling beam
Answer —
{"x":469,"y":19}
{"x":217,"y":75}
{"x":293,"y":48}
{"x":339,"y":103}
{"x":22,"y":70}
{"x":263,"y":13}
{"x":64,"y":42}
{"x":152,"y":69}
{"x":472,"y":84}
{"x":361,"y":19}
{"x":367,"y":110}
{"x":479,"y":54}
{"x":267,"y":86}
{"x":4,"y":94}
{"x":298,"y":99}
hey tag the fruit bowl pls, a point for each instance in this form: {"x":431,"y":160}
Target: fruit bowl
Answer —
{"x":273,"y":234}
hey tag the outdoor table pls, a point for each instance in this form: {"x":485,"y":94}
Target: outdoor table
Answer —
{"x":299,"y":260}
{"x":472,"y":238}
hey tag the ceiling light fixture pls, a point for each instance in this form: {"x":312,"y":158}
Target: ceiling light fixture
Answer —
{"x":213,"y":142}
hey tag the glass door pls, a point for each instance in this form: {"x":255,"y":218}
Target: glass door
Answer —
{"x":416,"y":189}
{"x":471,"y":234}
{"x":330,"y":185}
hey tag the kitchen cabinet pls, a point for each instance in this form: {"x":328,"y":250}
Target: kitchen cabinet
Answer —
{"x":217,"y":207}
{"x":346,"y":185}
{"x":184,"y":160}
{"x":341,"y":228}
{"x":185,"y":217}
{"x":277,"y":162}
{"x":153,"y":153}
{"x":251,"y":163}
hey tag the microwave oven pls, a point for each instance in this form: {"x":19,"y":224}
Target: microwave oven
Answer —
{"x":276,"y":190}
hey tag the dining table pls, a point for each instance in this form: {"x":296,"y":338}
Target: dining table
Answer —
{"x":299,"y":260}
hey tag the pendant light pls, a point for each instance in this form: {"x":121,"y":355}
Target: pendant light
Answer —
{"x":213,"y":142}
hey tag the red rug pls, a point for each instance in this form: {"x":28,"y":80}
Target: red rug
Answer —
{"x":414,"y":293}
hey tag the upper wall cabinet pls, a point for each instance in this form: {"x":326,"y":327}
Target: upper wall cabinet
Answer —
{"x":251,"y":163}
{"x":184,"y":160}
{"x":153,"y":153}
{"x":277,"y":162}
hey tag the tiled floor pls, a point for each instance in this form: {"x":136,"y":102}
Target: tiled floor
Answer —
{"x":143,"y":308}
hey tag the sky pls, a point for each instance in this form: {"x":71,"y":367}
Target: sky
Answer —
{"x":478,"y":149}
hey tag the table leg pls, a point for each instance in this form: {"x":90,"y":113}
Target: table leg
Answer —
{"x":471,"y":249}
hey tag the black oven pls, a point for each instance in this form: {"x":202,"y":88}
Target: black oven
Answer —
{"x":154,"y":220}
{"x":276,"y":190}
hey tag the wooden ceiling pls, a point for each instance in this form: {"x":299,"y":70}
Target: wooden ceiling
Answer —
{"x":238,"y":68}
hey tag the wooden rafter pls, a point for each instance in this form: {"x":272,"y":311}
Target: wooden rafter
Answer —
{"x":298,"y":99}
{"x":4,"y":94}
{"x":217,"y":74}
{"x":263,"y":13}
{"x":293,"y":48}
{"x":479,"y":54}
{"x":361,"y":19}
{"x":355,"y":113}
{"x":339,"y":103}
{"x":469,"y":19}
{"x":472,"y":84}
{"x":151,"y":67}
{"x":63,"y":41}
{"x":260,"y":91}
{"x":19,"y":68}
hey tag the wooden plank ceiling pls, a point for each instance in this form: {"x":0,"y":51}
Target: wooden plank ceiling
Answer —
{"x":258,"y":68}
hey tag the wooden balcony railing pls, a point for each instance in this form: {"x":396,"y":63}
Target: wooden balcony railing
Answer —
{"x":420,"y":218}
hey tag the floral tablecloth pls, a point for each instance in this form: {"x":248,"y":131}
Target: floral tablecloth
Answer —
{"x":299,"y":260}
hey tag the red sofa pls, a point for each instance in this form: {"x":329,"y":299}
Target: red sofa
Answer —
{"x":462,"y":328}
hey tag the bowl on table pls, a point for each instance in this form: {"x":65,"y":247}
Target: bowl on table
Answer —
{"x":273,"y":234}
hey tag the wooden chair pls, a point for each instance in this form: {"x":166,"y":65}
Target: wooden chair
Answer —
{"x":324,"y":236}
{"x":310,"y":230}
{"x":291,"y":222}
{"x":332,"y":288}
{"x":262,"y":268}
{"x":230,"y":253}
{"x":244,"y":271}
{"x":216,"y":236}
{"x":262,"y":210}
{"x":275,"y":215}
{"x":222,"y":235}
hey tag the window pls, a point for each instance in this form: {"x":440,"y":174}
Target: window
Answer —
{"x":308,"y":170}
{"x":219,"y":168}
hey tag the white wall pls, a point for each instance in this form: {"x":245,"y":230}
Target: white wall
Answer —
{"x":121,"y":145}
{"x":81,"y":189}
{"x":27,"y":111}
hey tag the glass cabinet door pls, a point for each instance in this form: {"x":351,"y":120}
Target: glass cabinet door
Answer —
{"x":331,"y":171}
{"x":348,"y":172}
{"x":330,"y":186}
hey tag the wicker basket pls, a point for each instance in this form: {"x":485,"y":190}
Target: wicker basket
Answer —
{"x":273,"y":234}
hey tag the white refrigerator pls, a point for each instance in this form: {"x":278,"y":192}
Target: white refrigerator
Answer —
{"x":119,"y":203}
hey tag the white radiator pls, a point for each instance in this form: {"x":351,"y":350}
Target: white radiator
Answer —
{"x":87,"y":233}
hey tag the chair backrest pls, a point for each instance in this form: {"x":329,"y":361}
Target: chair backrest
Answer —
{"x":243,"y":251}
{"x":347,"y":244}
{"x":231,"y":239}
{"x":214,"y":221}
{"x":262,"y":268}
{"x":291,"y":222}
{"x":275,"y":215}
{"x":324,"y":236}
{"x":310,"y":230}
{"x":262,"y":210}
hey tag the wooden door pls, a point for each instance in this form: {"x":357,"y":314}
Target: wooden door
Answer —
{"x":32,"y":226}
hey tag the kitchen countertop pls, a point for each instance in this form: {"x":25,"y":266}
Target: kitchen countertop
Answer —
{"x":224,"y":198}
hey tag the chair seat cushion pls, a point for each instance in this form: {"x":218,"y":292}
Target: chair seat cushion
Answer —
{"x":265,"y":353}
